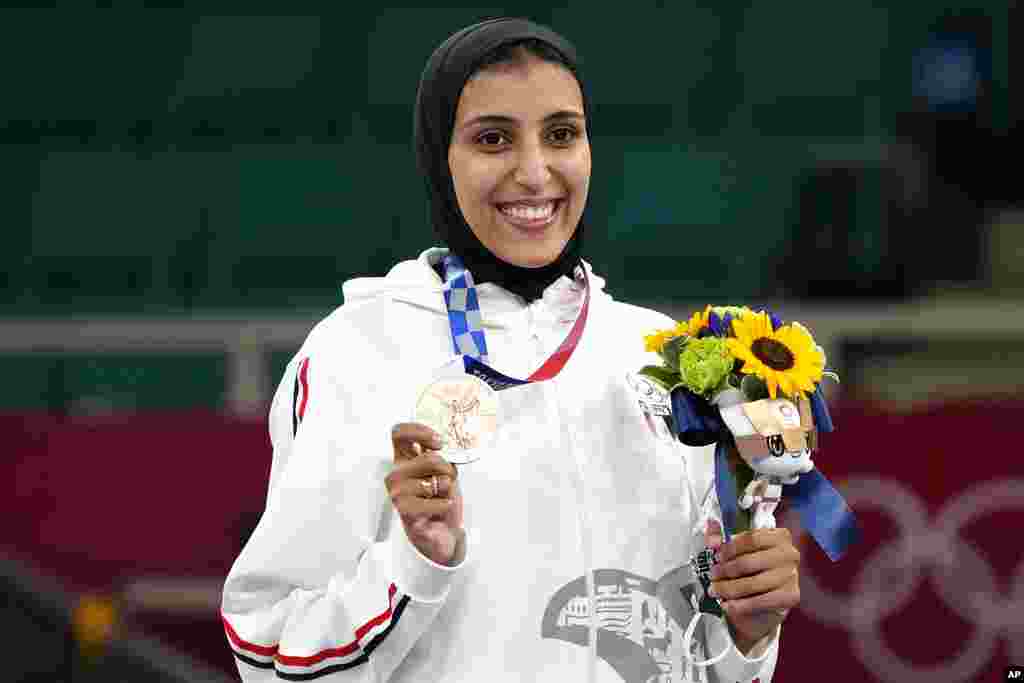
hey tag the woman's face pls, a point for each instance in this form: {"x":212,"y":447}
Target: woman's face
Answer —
{"x":520,"y":159}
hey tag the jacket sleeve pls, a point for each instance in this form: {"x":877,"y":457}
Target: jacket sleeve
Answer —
{"x":757,"y":666}
{"x":328,"y":587}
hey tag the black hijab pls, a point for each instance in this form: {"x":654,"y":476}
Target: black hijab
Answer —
{"x":441,"y":84}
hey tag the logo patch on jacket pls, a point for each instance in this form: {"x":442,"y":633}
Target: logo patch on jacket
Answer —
{"x":655,"y":404}
{"x":640,"y":622}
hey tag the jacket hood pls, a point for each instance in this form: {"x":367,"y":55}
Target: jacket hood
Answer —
{"x":416,"y":282}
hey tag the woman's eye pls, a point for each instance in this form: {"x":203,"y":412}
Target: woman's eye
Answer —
{"x":492,"y":138}
{"x":562,"y":136}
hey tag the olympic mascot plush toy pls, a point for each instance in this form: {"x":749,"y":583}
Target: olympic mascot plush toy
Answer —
{"x":774,"y":437}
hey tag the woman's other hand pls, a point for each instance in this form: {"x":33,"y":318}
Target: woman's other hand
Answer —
{"x":424,"y":489}
{"x":757,"y":581}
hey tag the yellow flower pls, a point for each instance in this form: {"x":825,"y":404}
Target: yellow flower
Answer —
{"x":696,"y":323}
{"x":787,"y":359}
{"x":654,"y":341}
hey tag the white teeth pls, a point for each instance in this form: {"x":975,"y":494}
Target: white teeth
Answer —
{"x":532,"y":213}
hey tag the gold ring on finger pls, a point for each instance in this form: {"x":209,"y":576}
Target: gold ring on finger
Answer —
{"x":428,"y":488}
{"x":434,"y":486}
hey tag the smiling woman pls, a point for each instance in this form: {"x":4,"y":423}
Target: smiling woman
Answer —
{"x":558,"y":548}
{"x":502,"y":123}
{"x":520,"y":158}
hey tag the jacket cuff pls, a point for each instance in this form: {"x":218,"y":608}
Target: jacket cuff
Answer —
{"x":736,"y":666}
{"x":419,"y":577}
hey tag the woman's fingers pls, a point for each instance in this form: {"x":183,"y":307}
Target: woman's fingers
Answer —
{"x":758,"y":570}
{"x":762,"y":582}
{"x":410,"y":439}
{"x":406,"y":476}
{"x":422,"y":487}
{"x":754,"y":562}
{"x":757,"y":579}
{"x":425,"y":465}
{"x":777,"y":602}
{"x":423,"y":490}
{"x":413,"y":508}
{"x":411,"y":484}
{"x":754,"y":541}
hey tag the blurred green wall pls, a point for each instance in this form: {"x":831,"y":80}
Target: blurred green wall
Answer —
{"x":162,"y":161}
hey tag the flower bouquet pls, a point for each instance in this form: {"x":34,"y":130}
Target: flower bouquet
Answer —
{"x":751,"y":384}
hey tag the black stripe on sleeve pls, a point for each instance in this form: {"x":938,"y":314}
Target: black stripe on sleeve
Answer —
{"x":361,"y":659}
{"x":253,"y":662}
{"x":295,"y":406}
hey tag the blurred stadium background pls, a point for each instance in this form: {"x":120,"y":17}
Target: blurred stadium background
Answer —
{"x":184,"y":190}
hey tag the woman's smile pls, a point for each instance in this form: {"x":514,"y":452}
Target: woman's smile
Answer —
{"x":531,"y":217}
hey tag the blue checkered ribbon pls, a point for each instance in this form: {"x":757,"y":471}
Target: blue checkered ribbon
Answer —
{"x":463,"y":310}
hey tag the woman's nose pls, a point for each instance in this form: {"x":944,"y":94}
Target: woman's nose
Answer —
{"x":533,"y":168}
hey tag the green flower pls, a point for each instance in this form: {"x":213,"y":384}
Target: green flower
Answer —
{"x":704,"y":364}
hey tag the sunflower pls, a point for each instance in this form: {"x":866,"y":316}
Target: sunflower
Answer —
{"x":787,"y":359}
{"x":654,"y":341}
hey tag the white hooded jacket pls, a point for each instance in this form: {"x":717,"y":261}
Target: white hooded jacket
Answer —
{"x":579,"y":521}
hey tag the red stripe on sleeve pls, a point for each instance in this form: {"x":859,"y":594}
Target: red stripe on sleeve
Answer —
{"x":304,"y":381}
{"x":272,"y":650}
{"x":344,"y":649}
{"x":264,"y":650}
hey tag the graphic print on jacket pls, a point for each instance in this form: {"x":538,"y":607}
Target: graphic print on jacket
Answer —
{"x":640,"y":622}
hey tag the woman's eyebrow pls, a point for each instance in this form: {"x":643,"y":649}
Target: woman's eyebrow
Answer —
{"x":498,"y":119}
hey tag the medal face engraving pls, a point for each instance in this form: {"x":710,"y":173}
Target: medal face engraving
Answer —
{"x":464,"y":411}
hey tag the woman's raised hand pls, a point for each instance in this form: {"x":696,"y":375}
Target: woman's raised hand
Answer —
{"x":424,"y":489}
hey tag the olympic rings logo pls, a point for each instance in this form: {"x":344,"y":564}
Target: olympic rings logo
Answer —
{"x":960,"y":574}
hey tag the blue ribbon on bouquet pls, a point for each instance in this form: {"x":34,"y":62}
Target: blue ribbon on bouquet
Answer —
{"x":822,"y":510}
